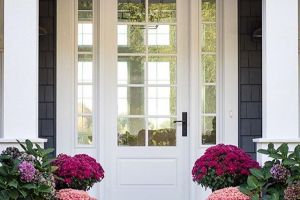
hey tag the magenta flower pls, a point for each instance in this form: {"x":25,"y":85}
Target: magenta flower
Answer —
{"x":27,"y":171}
{"x":78,"y":172}
{"x":221,"y":163}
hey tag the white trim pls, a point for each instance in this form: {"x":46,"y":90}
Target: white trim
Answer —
{"x":65,"y":76}
{"x":230,"y":74}
{"x":1,"y":24}
{"x":20,"y":82}
{"x":1,"y":93}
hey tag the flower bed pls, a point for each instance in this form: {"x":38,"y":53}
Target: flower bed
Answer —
{"x":70,"y":194}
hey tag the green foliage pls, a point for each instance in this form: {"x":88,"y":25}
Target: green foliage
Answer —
{"x":261,"y":184}
{"x":11,"y":185}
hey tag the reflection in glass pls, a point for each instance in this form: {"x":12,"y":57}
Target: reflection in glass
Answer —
{"x":131,"y":39}
{"x":209,"y":35}
{"x":131,"y":10}
{"x":162,"y":70}
{"x":162,"y":101}
{"x":84,"y":128}
{"x":209,"y":63}
{"x":85,"y":34}
{"x":131,"y":69}
{"x":209,"y":10}
{"x":162,"y":39}
{"x":131,"y":132}
{"x":85,"y":72}
{"x":209,"y":130}
{"x":130,"y":101}
{"x":209,"y":97}
{"x":162,"y":11}
{"x":161,"y":132}
{"x":85,"y":10}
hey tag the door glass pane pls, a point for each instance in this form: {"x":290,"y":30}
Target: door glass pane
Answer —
{"x":85,"y":130}
{"x":131,"y":39}
{"x":131,"y":132}
{"x":162,"y":39}
{"x":209,"y":37}
{"x":131,"y":69}
{"x":131,"y":101}
{"x":131,"y":10}
{"x":162,"y":11}
{"x":209,"y":130}
{"x":209,"y":63}
{"x":162,"y":101}
{"x":162,"y":70}
{"x":161,"y":132}
{"x":209,"y":96}
{"x":209,"y":10}
{"x":85,"y":10}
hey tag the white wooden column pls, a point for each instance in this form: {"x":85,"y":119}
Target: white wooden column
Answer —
{"x":20,"y":75}
{"x":280,"y":73}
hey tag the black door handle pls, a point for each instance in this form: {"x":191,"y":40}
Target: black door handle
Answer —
{"x":184,"y":124}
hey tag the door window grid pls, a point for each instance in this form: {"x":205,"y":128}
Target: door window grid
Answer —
{"x":148,"y":120}
{"x":208,"y":71}
{"x":85,"y":73}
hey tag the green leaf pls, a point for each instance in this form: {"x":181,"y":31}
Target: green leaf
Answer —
{"x":244,"y":190}
{"x":263,"y":151}
{"x":23,"y":146}
{"x":252,"y":182}
{"x":29,"y":145}
{"x":275,"y":195}
{"x":257,"y":173}
{"x":23,"y":193}
{"x":255,"y":197}
{"x":297,"y":152}
{"x":289,"y":162}
{"x":47,"y":151}
{"x":4,"y":195}
{"x":13,"y":183}
{"x":13,"y":194}
{"x":48,"y":162}
{"x":44,"y":189}
{"x":29,"y":186}
{"x":3,"y":172}
{"x":270,"y":146}
{"x":284,"y":149}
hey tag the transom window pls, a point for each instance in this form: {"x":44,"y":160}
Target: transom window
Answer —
{"x":146,"y":73}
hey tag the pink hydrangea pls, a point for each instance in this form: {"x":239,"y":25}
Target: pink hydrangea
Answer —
{"x":70,"y":194}
{"x":231,"y":193}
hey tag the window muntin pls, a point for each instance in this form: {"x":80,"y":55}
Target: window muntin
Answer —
{"x":146,"y":73}
{"x":208,"y":71}
{"x":85,"y":73}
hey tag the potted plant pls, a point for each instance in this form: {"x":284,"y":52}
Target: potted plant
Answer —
{"x":26,"y":174}
{"x":80,"y":172}
{"x":223,"y":166}
{"x":278,"y":178}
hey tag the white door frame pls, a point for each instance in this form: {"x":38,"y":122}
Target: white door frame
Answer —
{"x":65,"y":82}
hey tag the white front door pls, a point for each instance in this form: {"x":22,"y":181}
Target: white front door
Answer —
{"x":146,"y":69}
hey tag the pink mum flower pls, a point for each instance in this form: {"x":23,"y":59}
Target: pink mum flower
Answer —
{"x":70,"y":194}
{"x":231,"y":193}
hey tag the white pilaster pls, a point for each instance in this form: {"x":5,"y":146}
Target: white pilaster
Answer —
{"x":20,"y":75}
{"x":280,"y":72}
